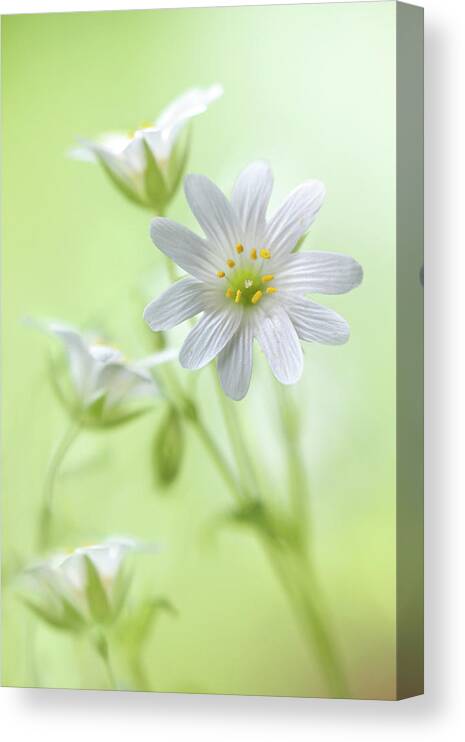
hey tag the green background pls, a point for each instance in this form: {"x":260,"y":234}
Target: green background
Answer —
{"x":311,"y":89}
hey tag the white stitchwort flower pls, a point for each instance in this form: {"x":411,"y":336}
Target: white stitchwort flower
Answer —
{"x":61,"y":583}
{"x":100,"y":372}
{"x":125,"y":156}
{"x":247,"y":281}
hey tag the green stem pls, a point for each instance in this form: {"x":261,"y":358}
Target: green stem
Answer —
{"x":101,"y":645}
{"x":237,"y":439}
{"x":45,"y":519}
{"x":296,"y":474}
{"x":219,"y":460}
{"x":295,"y":576}
{"x":140,"y":676}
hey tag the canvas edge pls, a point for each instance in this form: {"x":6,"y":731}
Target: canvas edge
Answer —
{"x":409,"y":351}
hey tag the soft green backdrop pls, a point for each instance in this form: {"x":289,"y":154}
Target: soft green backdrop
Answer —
{"x":312,"y":89}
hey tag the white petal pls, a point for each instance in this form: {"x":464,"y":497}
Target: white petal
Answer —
{"x":320,"y":273}
{"x":294,"y":217}
{"x":134,"y":155}
{"x":188,"y":104}
{"x":235,"y":362}
{"x":113,"y":142}
{"x":250,"y":198}
{"x":278,"y":339}
{"x":182,"y":109}
{"x":180,"y":302}
{"x":123,"y":383}
{"x":156,"y":359}
{"x":154,"y":138}
{"x":81,"y":362}
{"x":316,"y":323}
{"x":214,"y":213}
{"x":189,"y":251}
{"x":209,"y":337}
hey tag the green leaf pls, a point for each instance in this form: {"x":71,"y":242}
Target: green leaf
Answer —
{"x":120,"y":590}
{"x":121,"y":184}
{"x":95,"y":592}
{"x":74,"y":619}
{"x":142,"y":621}
{"x":154,"y":181}
{"x":47,"y":616}
{"x":178,"y":160}
{"x":169,"y":446}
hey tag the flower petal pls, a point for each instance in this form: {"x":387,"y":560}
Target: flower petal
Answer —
{"x":250,"y":198}
{"x":173,"y":118}
{"x":235,"y":362}
{"x":189,"y":251}
{"x":182,"y":300}
{"x":321,"y":273}
{"x":315,"y":323}
{"x":214,"y":213}
{"x":278,"y":339}
{"x":294,"y":217}
{"x":209,"y":337}
{"x":123,"y":382}
{"x":81,"y":363}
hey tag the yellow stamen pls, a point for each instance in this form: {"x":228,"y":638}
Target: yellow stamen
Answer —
{"x":220,"y":274}
{"x":268,"y":277}
{"x":271,"y":290}
{"x":256,"y":297}
{"x":229,"y":293}
{"x":239,"y":248}
{"x":265,"y":254}
{"x":253,"y":254}
{"x":238,"y":296}
{"x":230,"y":263}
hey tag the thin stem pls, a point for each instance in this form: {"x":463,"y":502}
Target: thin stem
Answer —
{"x":237,"y":439}
{"x":294,"y":575}
{"x":296,"y":474}
{"x":45,"y":520}
{"x":219,"y":460}
{"x":101,"y":645}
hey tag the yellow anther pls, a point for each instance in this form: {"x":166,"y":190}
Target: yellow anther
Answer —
{"x":256,"y":297}
{"x":253,"y":254}
{"x":238,"y":296}
{"x":264,"y":253}
{"x":239,"y":248}
{"x":271,"y":290}
{"x":230,"y":263}
{"x":229,"y":293}
{"x":220,"y":274}
{"x":268,"y":277}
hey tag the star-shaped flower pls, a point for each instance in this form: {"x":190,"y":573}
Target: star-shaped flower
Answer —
{"x":247,"y":281}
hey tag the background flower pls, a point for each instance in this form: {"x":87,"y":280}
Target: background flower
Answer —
{"x":247,"y":281}
{"x":71,"y":590}
{"x":147,"y":164}
{"x":103,"y":382}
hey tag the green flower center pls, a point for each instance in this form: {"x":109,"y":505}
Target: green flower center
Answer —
{"x":247,"y":281}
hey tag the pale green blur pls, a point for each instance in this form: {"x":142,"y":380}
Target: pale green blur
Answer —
{"x":311,"y":89}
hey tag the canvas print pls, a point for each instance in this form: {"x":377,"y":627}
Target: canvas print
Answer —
{"x":203,"y":377}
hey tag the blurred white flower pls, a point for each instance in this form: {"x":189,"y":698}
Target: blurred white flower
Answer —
{"x":247,"y":280}
{"x":70,"y":589}
{"x":147,"y":164}
{"x":101,"y":378}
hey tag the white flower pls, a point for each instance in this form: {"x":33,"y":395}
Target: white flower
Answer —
{"x":63,"y":580}
{"x":125,"y":155}
{"x":247,"y":281}
{"x":99,"y":372}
